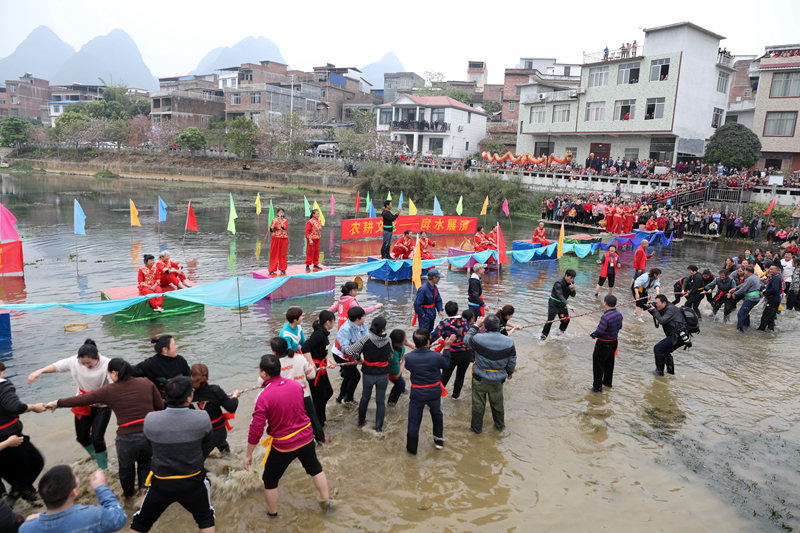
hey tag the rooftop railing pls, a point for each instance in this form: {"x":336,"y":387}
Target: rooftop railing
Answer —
{"x":613,"y":54}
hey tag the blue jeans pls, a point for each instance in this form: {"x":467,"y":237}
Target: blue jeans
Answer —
{"x":416,"y":408}
{"x":387,"y":244}
{"x":380,"y":382}
{"x":743,"y":318}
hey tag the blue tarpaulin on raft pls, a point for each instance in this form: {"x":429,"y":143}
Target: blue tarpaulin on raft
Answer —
{"x":650,"y":237}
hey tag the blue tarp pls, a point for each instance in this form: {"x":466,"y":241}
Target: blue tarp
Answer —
{"x":460,"y":261}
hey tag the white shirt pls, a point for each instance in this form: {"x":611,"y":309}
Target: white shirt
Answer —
{"x":642,"y":281}
{"x":87,"y":379}
{"x":299,"y":369}
{"x":788,"y":270}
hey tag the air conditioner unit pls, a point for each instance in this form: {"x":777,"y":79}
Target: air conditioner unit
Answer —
{"x":581,"y":90}
{"x":573,"y":94}
{"x":461,"y":128}
{"x":542,"y":96}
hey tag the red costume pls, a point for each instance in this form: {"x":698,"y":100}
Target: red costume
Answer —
{"x":618,"y":220}
{"x":651,"y":225}
{"x":169,"y":278}
{"x":279,"y":245}
{"x":628,"y":220}
{"x":481,"y":241}
{"x":424,"y":242}
{"x":150,"y":283}
{"x":640,"y":258}
{"x":403,"y":248}
{"x":313,"y":235}
{"x":539,"y":235}
{"x":611,"y":218}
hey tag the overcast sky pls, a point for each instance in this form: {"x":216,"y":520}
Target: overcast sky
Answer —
{"x":435,"y":35}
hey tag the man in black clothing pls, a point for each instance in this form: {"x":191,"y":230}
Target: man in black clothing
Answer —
{"x":557,"y":305}
{"x":674,"y":324}
{"x":388,"y":228}
{"x":696,"y":287}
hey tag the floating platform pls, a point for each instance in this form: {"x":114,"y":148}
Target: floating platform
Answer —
{"x":581,"y":238}
{"x":387,"y":274}
{"x":297,"y":287}
{"x":5,"y":326}
{"x":143,"y":310}
{"x":526,"y":244}
{"x":491,"y":264}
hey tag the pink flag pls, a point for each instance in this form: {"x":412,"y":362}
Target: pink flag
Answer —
{"x":505,"y":206}
{"x":7,"y":221}
{"x":333,"y":202}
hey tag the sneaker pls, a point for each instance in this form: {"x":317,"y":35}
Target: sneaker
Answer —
{"x":308,"y":268}
{"x":317,"y":267}
{"x":658,"y":373}
{"x":592,"y":389}
{"x":271,"y":273}
{"x":338,"y":399}
{"x":283,"y":272}
{"x":456,"y":397}
{"x":362,"y":422}
{"x":391,"y":404}
{"x":438,"y":443}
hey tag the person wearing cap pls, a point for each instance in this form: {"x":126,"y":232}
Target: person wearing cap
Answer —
{"x":169,"y":273}
{"x":178,"y":436}
{"x":475,"y":290}
{"x":428,"y":301}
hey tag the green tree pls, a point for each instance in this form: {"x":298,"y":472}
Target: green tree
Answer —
{"x":492,"y":106}
{"x":216,"y":135}
{"x":363,"y":137}
{"x":141,"y":107}
{"x":14,"y":131}
{"x":193,"y":139}
{"x":733,"y":145}
{"x":494,"y":147}
{"x":242,"y":137}
{"x":459,"y":94}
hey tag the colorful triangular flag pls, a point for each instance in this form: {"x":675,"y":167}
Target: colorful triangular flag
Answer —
{"x":162,"y":210}
{"x":358,"y":202}
{"x":7,"y":221}
{"x":389,"y":196}
{"x":560,"y":251}
{"x":502,"y":256}
{"x":191,"y":221}
{"x":134,"y":215}
{"x":369,"y":203}
{"x":372,"y":210}
{"x":437,"y":209}
{"x":321,"y":216}
{"x":258,"y":203}
{"x":400,"y":201}
{"x":412,"y":209}
{"x":460,"y":206}
{"x":232,"y":216}
{"x":306,"y":207}
{"x":505,"y":206}
{"x":333,"y":202}
{"x":416,"y":266}
{"x":80,"y":219}
{"x":485,"y":205}
{"x":270,"y":214}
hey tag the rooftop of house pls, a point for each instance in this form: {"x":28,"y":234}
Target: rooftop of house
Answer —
{"x":681,"y":24}
{"x":435,"y":101}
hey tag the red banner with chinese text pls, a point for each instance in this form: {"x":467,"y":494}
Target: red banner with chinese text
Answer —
{"x":362,"y":228}
{"x":11,"y":263}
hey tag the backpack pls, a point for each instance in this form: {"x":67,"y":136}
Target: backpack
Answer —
{"x":692,"y":322}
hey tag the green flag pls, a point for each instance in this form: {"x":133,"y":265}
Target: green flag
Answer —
{"x":232,"y":216}
{"x":368,"y":201}
{"x":460,"y":207}
{"x":389,"y":196}
{"x":307,"y":207}
{"x":271,"y":214}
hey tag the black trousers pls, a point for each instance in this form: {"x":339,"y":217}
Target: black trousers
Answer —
{"x":603,"y":363}
{"x":194,"y":495}
{"x":792,"y":300}
{"x":219,"y":440}
{"x":134,"y":454}
{"x":92,"y":429}
{"x":311,"y":412}
{"x":694,"y":302}
{"x":552,"y":312}
{"x":728,"y":305}
{"x":459,"y":361}
{"x":321,"y":392}
{"x":663,"y":354}
{"x":768,"y":316}
{"x":350,"y":378}
{"x":20,"y":465}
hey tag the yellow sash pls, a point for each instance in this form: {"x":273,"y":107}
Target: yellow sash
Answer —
{"x":267,"y":443}
{"x":151,"y":475}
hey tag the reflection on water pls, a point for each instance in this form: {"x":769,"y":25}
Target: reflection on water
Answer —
{"x":714,"y":447}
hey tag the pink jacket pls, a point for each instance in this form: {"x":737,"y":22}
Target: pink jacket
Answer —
{"x":344,"y":298}
{"x":280,"y":406}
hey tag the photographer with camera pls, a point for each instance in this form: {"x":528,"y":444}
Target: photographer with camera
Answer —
{"x":673,"y":322}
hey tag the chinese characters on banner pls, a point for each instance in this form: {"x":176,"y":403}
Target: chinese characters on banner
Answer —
{"x":361,"y":228}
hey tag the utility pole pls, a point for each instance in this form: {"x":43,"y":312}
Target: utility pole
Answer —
{"x":291,"y":114}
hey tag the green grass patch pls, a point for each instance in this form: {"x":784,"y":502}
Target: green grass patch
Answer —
{"x":105,"y":173}
{"x":18,"y":167}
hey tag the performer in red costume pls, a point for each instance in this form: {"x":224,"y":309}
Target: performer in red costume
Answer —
{"x":313,"y":235}
{"x":424,"y":243}
{"x":481,"y":241}
{"x":170,"y":273}
{"x":627,"y":218}
{"x":150,"y":282}
{"x":280,"y":243}
{"x":539,"y":235}
{"x":404,"y":246}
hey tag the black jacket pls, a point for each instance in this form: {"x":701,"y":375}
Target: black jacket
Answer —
{"x":213,"y":400}
{"x":426,"y":367}
{"x":560,"y":293}
{"x":388,"y":219}
{"x":474,"y":291}
{"x":670,"y":318}
{"x":696,"y":284}
{"x":10,"y":408}
{"x":317,"y":345}
{"x":159,"y":369}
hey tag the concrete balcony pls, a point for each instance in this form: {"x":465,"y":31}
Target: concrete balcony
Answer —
{"x":613,"y":54}
{"x":725,"y":60}
{"x":420,"y":126}
{"x":555,"y":96}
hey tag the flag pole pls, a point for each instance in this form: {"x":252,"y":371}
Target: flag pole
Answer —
{"x":239,"y":298}
{"x":76,"y":254}
{"x":183,"y":252}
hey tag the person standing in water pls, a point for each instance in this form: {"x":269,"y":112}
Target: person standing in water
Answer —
{"x":212,"y":399}
{"x":164,"y":365}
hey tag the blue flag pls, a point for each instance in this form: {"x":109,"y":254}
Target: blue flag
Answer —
{"x":80,"y":219}
{"x":372,"y":210}
{"x":437,"y":209}
{"x":162,"y":210}
{"x":400,"y":201}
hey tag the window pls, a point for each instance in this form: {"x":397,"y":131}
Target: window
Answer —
{"x":624,"y":109}
{"x":628,"y":73}
{"x":466,"y":147}
{"x":255,"y":98}
{"x":598,"y":76}
{"x":469,"y":117}
{"x":731,"y":118}
{"x":385,"y":117}
{"x":722,"y":82}
{"x":14,"y":99}
{"x":322,"y":94}
{"x":437,"y":114}
{"x":12,"y":88}
{"x":435,"y":145}
{"x":235,"y":99}
{"x":2,"y":101}
{"x":255,"y":116}
{"x":543,"y":148}
{"x":512,"y":106}
{"x":561,"y":113}
{"x":631,"y":153}
{"x":566,"y":70}
{"x":785,"y":84}
{"x":659,"y":69}
{"x":716,"y":118}
{"x":595,"y":111}
{"x":780,"y":124}
{"x":654,"y":109}
{"x":748,"y":93}
{"x":538,"y":114}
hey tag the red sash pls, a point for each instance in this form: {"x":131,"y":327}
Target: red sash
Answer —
{"x":132,"y":422}
{"x":82,"y":410}
{"x":322,"y":368}
{"x":429,"y":385}
{"x":226,"y":417}
{"x":4,"y":426}
{"x":379,"y":364}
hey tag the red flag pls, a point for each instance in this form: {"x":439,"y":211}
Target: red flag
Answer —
{"x":358,"y":202}
{"x":501,"y":247}
{"x":771,"y":205}
{"x":191,"y":222}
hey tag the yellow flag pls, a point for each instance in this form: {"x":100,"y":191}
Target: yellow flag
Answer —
{"x":258,"y":203}
{"x":485,"y":205}
{"x":134,"y":215}
{"x":412,"y":209}
{"x":561,"y":241}
{"x":321,"y":216}
{"x":416,"y":264}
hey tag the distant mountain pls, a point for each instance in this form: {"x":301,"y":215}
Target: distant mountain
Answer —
{"x":248,"y":50}
{"x":114,"y":57}
{"x":41,"y":53}
{"x":374,"y":72}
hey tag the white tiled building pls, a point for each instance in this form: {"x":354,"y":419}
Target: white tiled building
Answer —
{"x":436,"y":124}
{"x":662,"y":100}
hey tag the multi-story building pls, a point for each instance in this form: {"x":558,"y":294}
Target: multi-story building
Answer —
{"x":340,"y":86}
{"x":777,"y":107}
{"x":399,"y":81}
{"x":662,"y":100}
{"x":523,"y":73}
{"x":62,"y":96}
{"x":3,"y":102}
{"x":433,"y":124}
{"x":28,"y":97}
{"x":191,"y":100}
{"x":477,"y":72}
{"x":744,"y":86}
